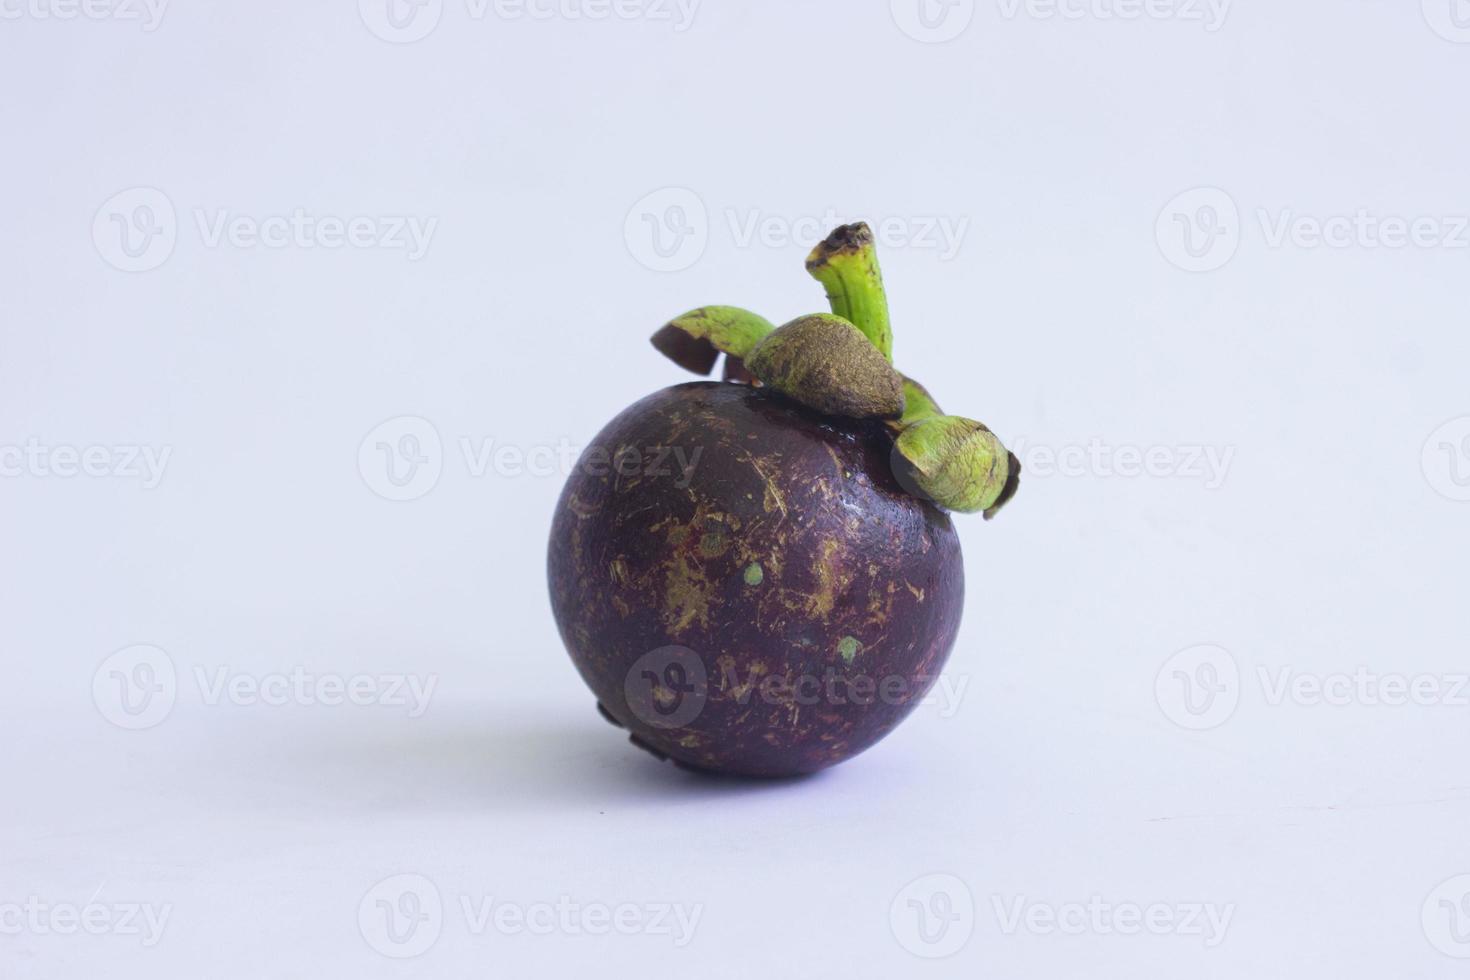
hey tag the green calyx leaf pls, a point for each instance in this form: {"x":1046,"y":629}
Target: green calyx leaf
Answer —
{"x":956,"y":462}
{"x":840,"y":364}
{"x":917,"y":402}
{"x":695,"y":340}
{"x":847,"y":265}
{"x":827,"y":364}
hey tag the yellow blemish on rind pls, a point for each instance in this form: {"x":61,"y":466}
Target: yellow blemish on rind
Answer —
{"x":829,"y":581}
{"x":772,"y":499}
{"x":582,"y":509}
{"x":686,"y":595}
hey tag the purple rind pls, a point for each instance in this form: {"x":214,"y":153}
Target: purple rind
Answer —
{"x":859,"y":585}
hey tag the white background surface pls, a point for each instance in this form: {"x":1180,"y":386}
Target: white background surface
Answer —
{"x":1331,"y":541}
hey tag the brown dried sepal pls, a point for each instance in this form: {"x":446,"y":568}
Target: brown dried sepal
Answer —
{"x":826,"y":364}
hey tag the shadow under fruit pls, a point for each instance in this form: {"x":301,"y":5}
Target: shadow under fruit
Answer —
{"x":759,"y":576}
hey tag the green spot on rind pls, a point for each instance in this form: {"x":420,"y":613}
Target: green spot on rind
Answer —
{"x":848,"y":648}
{"x":754,"y":574}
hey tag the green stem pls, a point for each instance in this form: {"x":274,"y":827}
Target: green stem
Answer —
{"x":847,"y":264}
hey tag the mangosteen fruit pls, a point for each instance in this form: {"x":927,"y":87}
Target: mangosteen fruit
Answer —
{"x":760,"y":576}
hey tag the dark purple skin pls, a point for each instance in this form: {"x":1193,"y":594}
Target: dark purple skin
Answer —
{"x":769,"y":607}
